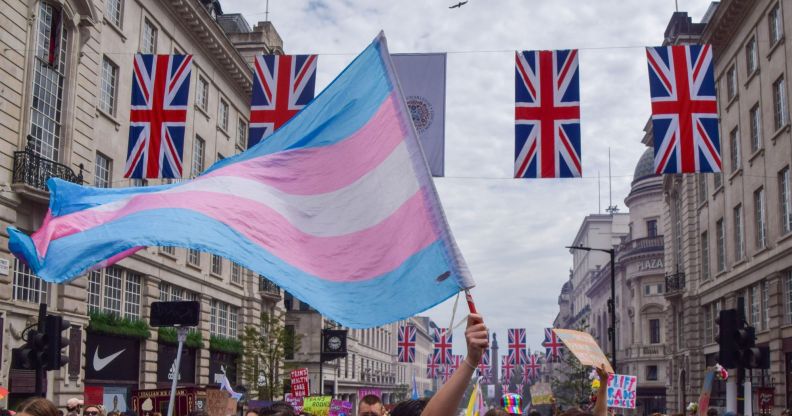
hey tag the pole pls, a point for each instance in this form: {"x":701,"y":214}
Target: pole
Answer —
{"x":321,"y":361}
{"x":731,"y":394}
{"x":748,"y":396}
{"x":612,"y":253}
{"x":181,"y":333}
{"x":40,"y":373}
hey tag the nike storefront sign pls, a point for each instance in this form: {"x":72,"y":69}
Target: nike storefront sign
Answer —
{"x":111,"y":358}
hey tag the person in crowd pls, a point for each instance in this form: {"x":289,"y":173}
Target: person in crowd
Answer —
{"x":409,"y":407}
{"x":93,"y":411}
{"x":447,"y":400}
{"x":371,"y":405}
{"x":279,"y":408}
{"x":73,"y":406}
{"x":252,"y":412}
{"x":534,"y":413}
{"x":496,"y":411}
{"x":198,"y":413}
{"x":512,"y":403}
{"x":37,"y":406}
{"x":712,"y":412}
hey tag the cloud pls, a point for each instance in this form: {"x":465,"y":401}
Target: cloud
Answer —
{"x":512,"y":233}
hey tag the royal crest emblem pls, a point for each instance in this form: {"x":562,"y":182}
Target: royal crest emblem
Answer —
{"x":421,"y":112}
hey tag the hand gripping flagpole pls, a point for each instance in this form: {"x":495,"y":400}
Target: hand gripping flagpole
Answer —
{"x":469,"y":299}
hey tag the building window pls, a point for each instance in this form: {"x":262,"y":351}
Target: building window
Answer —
{"x":678,"y":230}
{"x":776,"y":28}
{"x":760,"y":218}
{"x":48,"y":82}
{"x":720,"y":238}
{"x":170,"y":250}
{"x":172,"y":293}
{"x":701,"y":180}
{"x":783,"y":197}
{"x":27,"y":286}
{"x":654,"y":331}
{"x":731,"y":82}
{"x":217,"y":265}
{"x":102,"y":171}
{"x":708,"y":321}
{"x":107,"y":92}
{"x":739,"y":233}
{"x":288,"y":352}
{"x":755,"y":306}
{"x":242,"y":131}
{"x":734,"y":145}
{"x":705,"y":266}
{"x":222,"y":115}
{"x":751,"y":55}
{"x":149,"y":41}
{"x":788,"y":295}
{"x":198,"y":156}
{"x":765,"y":305}
{"x":223,"y":319}
{"x":779,"y":103}
{"x":756,"y":128}
{"x":718,"y":178}
{"x":236,"y":273}
{"x":651,"y":372}
{"x":116,"y":291}
{"x":113,"y":10}
{"x":651,"y":228}
{"x":202,"y":94}
{"x":193,"y":257}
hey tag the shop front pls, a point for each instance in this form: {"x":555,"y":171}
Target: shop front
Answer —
{"x":112,"y":370}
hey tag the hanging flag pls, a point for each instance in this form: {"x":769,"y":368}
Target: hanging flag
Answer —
{"x":484,"y":368}
{"x":423,"y":81}
{"x":55,"y":32}
{"x":547,"y":115}
{"x":350,"y":158}
{"x":226,"y":385}
{"x":282,"y":86}
{"x":157,"y":119}
{"x":456,"y":361}
{"x":508,"y":368}
{"x":684,"y":109}
{"x":406,"y":343}
{"x":552,"y":345}
{"x":517,"y":346}
{"x":432,"y":366}
{"x":414,"y":387}
{"x":531,"y":369}
{"x":446,"y":371}
{"x":443,"y":339}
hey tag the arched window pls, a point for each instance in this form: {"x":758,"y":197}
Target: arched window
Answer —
{"x":49,"y":67}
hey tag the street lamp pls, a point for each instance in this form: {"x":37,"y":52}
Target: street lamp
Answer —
{"x":611,"y":301}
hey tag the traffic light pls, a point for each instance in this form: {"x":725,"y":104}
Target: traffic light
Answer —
{"x":31,"y":353}
{"x":53,"y":326}
{"x":749,"y":354}
{"x":728,"y":326}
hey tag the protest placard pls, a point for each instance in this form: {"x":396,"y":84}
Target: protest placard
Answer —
{"x":584,"y":347}
{"x":217,"y":402}
{"x":340,"y":408}
{"x":541,"y":393}
{"x":621,"y":391}
{"x":295,"y":402}
{"x":299,"y":382}
{"x":369,"y":391}
{"x":317,"y":405}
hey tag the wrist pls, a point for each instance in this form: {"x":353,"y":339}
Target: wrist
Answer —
{"x":470,"y":364}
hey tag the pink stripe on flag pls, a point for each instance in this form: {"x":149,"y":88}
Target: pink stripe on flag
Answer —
{"x":325,"y":169}
{"x":361,"y":255}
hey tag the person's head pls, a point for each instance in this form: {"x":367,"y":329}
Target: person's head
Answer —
{"x":712,"y":412}
{"x":279,"y":408}
{"x":496,"y":411}
{"x":534,"y":413}
{"x":512,"y":403}
{"x":575,"y":411}
{"x":252,"y":412}
{"x":37,"y":406}
{"x":74,"y":404}
{"x":370,"y":405}
{"x":92,"y":410}
{"x":409,"y":407}
{"x":198,"y":413}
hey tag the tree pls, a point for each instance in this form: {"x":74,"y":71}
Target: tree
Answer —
{"x":263,"y":349}
{"x":570,"y":381}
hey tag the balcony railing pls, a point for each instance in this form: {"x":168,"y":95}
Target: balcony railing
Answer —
{"x":675,"y":283}
{"x":34,"y":170}
{"x":641,"y":245}
{"x":266,"y":286}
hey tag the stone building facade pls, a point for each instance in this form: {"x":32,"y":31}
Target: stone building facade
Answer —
{"x":65,"y":114}
{"x":727,"y":235}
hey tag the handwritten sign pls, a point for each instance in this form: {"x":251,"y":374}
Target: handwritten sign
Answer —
{"x":621,"y":391}
{"x":217,"y":402}
{"x":295,"y":402}
{"x":317,"y":405}
{"x":340,"y":408}
{"x":299,"y":382}
{"x":584,"y":347}
{"x":541,"y":393}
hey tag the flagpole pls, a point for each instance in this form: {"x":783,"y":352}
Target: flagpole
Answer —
{"x":471,"y":304}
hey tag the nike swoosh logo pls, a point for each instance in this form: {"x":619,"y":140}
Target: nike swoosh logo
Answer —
{"x":100,"y":363}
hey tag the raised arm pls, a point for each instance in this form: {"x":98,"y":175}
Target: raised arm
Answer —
{"x":601,"y":407}
{"x":446,"y":401}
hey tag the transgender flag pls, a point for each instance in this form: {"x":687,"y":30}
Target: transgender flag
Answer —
{"x":337,"y":206}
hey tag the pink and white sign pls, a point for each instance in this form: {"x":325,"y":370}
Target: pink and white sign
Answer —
{"x":299,"y":382}
{"x":621,"y":391}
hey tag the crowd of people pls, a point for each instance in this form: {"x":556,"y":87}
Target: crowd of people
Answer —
{"x":446,"y":402}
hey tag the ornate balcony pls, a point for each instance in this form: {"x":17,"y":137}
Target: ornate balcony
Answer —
{"x":268,"y":289}
{"x":641,"y":245}
{"x":674,"y":284}
{"x":31,"y":172}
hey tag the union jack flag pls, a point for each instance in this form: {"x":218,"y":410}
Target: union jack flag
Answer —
{"x":552,"y":345}
{"x":484,"y":367}
{"x":160,"y":87}
{"x":432,"y":366}
{"x":282,"y":86}
{"x":517,"y":346}
{"x":456,"y":361}
{"x":442,"y":345}
{"x":684,"y":109}
{"x":531,"y":368}
{"x":508,"y":368}
{"x":446,"y":371}
{"x":547,"y":115}
{"x":406,"y":344}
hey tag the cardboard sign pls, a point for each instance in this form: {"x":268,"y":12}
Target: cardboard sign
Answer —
{"x":340,"y":408}
{"x":295,"y":402}
{"x":584,"y":347}
{"x":299,"y":382}
{"x":317,"y":405}
{"x":765,"y":397}
{"x":217,"y":402}
{"x":369,"y":391}
{"x":541,"y":393}
{"x":621,"y":391}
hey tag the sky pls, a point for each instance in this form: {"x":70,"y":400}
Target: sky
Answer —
{"x":511,"y":232}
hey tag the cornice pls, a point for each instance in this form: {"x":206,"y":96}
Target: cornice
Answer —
{"x":721,"y":27}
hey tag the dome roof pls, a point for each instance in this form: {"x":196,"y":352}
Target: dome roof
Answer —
{"x":645,"y":166}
